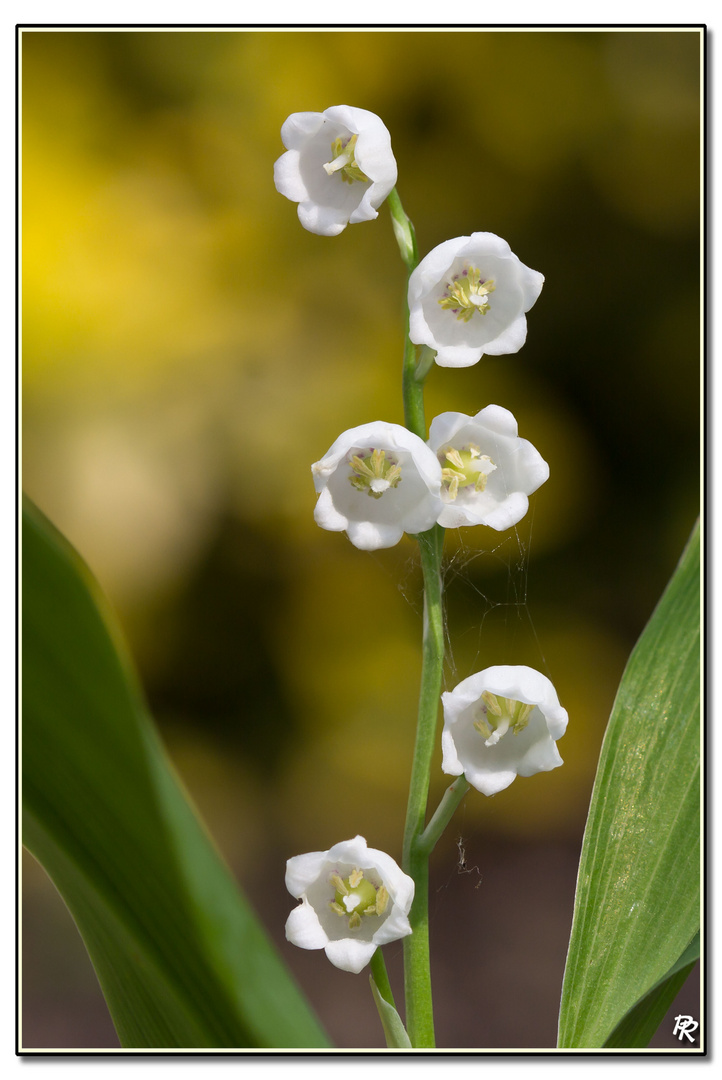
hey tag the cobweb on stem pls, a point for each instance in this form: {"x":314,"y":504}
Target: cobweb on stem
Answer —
{"x":477,"y":594}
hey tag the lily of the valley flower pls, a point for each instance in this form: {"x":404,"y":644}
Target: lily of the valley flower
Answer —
{"x":338,"y":167}
{"x":487,"y":470}
{"x":469,"y":297}
{"x":501,"y":723}
{"x":353,"y":899}
{"x":376,"y":482}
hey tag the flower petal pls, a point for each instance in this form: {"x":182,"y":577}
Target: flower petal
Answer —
{"x":299,"y":127}
{"x":304,"y":929}
{"x":321,"y":220}
{"x":350,"y":851}
{"x":303,"y":870}
{"x":499,"y":420}
{"x":450,"y":763}
{"x":508,"y":513}
{"x":372,"y":535}
{"x":350,"y":954}
{"x":396,"y":926}
{"x":543,"y":756}
{"x":287,"y":177}
{"x":326,"y":515}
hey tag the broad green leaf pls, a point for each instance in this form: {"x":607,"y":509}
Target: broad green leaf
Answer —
{"x":637,"y":904}
{"x":181,"y":958}
{"x":637,"y":1027}
{"x":394,"y":1030}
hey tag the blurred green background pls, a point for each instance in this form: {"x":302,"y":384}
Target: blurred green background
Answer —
{"x":189,"y":350}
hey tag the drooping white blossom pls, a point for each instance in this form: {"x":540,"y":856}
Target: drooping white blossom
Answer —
{"x":376,"y":482}
{"x":353,"y":899}
{"x":501,"y":723}
{"x":468,"y":297}
{"x":338,"y":167}
{"x":487,"y":471}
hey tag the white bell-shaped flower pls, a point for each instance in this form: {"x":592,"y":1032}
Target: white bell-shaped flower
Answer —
{"x":338,"y":167}
{"x":376,"y":482}
{"x":501,"y":723}
{"x":487,"y":471}
{"x":353,"y":899}
{"x":468,"y":297}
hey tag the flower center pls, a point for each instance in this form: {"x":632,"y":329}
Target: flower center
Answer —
{"x":466,"y":294}
{"x":495,"y":715}
{"x":343,"y":151}
{"x":374,"y":473}
{"x":464,"y":468}
{"x":356,"y":896}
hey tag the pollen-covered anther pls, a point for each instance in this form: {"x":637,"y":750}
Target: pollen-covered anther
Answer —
{"x":482,"y":726}
{"x":466,"y":294}
{"x":374,"y":473}
{"x":339,"y":884}
{"x":491,"y":703}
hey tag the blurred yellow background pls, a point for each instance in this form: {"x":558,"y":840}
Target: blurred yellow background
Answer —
{"x":189,"y":350}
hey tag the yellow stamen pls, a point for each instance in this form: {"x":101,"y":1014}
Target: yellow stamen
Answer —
{"x":498,"y":714}
{"x":374,"y":473}
{"x":466,"y":294}
{"x":344,"y":160}
{"x":463,"y":468}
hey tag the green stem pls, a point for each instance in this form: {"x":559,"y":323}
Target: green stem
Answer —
{"x":414,"y":417}
{"x":381,"y":978}
{"x":417,"y":974}
{"x":443,"y":814}
{"x":413,"y":386}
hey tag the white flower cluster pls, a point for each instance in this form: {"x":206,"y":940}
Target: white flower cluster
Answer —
{"x":379,"y":480}
{"x":468,"y":297}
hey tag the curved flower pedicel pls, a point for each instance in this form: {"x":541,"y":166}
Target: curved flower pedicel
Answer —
{"x":338,"y":167}
{"x":469,"y":297}
{"x":501,"y":723}
{"x":376,"y":482}
{"x":353,"y":899}
{"x":487,"y":470}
